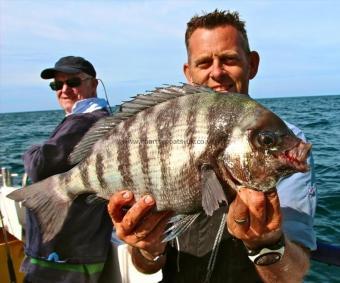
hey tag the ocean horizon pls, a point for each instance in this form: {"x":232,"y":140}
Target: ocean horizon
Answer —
{"x":128,"y":98}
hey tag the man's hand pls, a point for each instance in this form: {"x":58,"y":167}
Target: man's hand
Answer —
{"x":136,"y":224}
{"x":255,"y":218}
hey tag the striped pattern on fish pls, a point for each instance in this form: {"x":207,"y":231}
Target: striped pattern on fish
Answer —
{"x":142,"y":157}
{"x":173,"y":143}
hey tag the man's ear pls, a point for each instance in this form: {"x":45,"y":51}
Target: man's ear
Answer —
{"x":95,"y":82}
{"x":254,"y":61}
{"x":187,"y":73}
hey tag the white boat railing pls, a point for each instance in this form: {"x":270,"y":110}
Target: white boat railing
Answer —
{"x":13,"y":213}
{"x":7,"y":177}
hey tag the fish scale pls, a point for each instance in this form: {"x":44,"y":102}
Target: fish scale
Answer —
{"x":136,"y":171}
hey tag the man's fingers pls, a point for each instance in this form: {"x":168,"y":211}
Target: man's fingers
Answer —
{"x":117,"y":203}
{"x":135,"y":214}
{"x":238,"y":216}
{"x":257,"y":211}
{"x":151,"y":222}
{"x":153,"y":241}
{"x":263,"y":213}
{"x":273,"y":211}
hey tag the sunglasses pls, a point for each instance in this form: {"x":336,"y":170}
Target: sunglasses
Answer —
{"x":72,"y":82}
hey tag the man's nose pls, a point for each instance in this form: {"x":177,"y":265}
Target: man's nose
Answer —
{"x":65,"y":87}
{"x":217,"y":70}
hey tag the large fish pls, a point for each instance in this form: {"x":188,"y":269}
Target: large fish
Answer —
{"x":189,"y":147}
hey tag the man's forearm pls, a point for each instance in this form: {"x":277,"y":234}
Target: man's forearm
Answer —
{"x":291,"y":268}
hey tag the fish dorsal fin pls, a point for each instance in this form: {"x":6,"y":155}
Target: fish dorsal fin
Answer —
{"x":127,"y":110}
{"x":98,"y":130}
{"x":212,"y":191}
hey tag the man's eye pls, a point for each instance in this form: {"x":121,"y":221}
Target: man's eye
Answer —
{"x":229,"y":61}
{"x":203,"y":64}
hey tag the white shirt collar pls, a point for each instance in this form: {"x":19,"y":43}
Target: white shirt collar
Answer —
{"x":88,"y":105}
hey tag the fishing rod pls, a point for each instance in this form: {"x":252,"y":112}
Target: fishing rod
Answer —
{"x":107,"y":100}
{"x":10,"y":265}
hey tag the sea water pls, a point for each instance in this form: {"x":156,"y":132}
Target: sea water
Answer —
{"x":317,"y":116}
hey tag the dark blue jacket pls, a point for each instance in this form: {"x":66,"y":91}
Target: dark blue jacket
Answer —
{"x":85,"y":236}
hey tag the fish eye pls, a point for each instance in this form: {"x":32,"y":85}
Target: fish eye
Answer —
{"x":266,"y":139}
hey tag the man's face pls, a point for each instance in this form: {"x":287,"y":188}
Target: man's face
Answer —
{"x":67,"y":95}
{"x":218,"y":60}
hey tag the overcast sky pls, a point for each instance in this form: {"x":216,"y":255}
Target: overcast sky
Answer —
{"x":138,"y":45}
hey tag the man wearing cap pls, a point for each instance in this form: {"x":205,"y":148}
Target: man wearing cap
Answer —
{"x":79,"y":251}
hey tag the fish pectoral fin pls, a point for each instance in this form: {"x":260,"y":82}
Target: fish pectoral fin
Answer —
{"x":178,"y":225}
{"x":212,"y":191}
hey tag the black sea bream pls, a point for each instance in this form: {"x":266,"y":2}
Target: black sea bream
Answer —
{"x":189,"y":147}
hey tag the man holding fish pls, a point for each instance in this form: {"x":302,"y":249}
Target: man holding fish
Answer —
{"x":268,"y":235}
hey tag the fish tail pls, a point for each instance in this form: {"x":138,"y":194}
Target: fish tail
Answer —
{"x":49,"y":204}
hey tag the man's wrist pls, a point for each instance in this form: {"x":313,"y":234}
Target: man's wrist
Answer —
{"x":267,"y":240}
{"x":145,"y":262}
{"x":151,"y":257}
{"x":268,"y":254}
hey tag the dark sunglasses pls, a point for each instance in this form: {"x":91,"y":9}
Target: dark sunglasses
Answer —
{"x":72,"y":82}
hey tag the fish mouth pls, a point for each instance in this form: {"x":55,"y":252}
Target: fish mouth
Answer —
{"x":296,"y":158}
